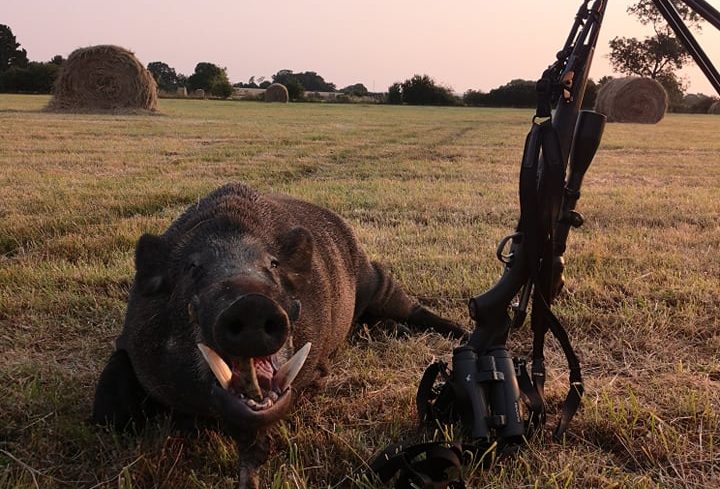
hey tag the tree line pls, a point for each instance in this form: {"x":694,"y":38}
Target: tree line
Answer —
{"x":659,"y":56}
{"x":18,"y":73}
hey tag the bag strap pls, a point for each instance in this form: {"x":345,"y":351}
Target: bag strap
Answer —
{"x":426,"y":394}
{"x":435,"y":465}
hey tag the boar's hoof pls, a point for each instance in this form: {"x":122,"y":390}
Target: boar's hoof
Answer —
{"x":248,"y":478}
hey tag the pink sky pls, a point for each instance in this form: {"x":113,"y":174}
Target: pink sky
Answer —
{"x":477,"y":44}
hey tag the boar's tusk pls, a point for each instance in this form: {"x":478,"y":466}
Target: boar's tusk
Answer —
{"x":290,"y":369}
{"x":217,"y":365}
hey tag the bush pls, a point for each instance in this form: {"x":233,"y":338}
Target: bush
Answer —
{"x":421,"y":90}
{"x":295,"y":90}
{"x":35,"y":78}
{"x":394,"y":94}
{"x":221,"y":88}
{"x":519,"y":93}
{"x":212,"y":79}
{"x":165,"y":76}
{"x":309,"y":80}
{"x":591,"y":91}
{"x":356,"y":90}
{"x":516,"y":93}
{"x":475,"y":98}
{"x":696,"y":103}
{"x":675,"y":90}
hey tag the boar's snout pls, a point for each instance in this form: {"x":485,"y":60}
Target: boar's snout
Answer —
{"x":252,"y":326}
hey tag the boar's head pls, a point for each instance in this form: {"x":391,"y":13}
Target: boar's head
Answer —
{"x":209,"y":328}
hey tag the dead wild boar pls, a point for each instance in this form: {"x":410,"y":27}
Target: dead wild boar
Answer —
{"x":239,"y":303}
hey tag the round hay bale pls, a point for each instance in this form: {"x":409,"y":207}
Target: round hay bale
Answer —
{"x":181,"y":91}
{"x":714,"y":108}
{"x":104,"y":79}
{"x":199,"y":93}
{"x":632,"y":99}
{"x":277,"y":92}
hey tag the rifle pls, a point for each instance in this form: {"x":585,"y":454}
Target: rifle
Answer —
{"x":486,"y":385}
{"x":487,"y":389}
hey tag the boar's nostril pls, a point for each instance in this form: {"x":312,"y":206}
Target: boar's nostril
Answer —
{"x":274,"y":327}
{"x":252,"y":326}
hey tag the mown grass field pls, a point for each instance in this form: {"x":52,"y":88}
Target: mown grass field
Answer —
{"x":429,"y":191}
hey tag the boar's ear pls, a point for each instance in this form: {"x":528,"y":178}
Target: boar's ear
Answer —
{"x":151,"y":264}
{"x":296,"y":249}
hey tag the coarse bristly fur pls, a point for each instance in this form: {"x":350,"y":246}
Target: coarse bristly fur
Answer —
{"x":322,"y":267}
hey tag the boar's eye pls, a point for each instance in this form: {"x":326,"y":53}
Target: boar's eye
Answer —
{"x":193,"y":265}
{"x":274,"y":263}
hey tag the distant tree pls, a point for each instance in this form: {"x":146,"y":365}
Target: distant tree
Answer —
{"x":10,"y":54}
{"x":394,"y":94}
{"x":33,"y":78}
{"x":221,"y":88}
{"x":253,"y":82}
{"x":591,"y":90}
{"x":165,"y":76}
{"x":648,"y":14}
{"x":57,"y":60}
{"x":309,"y":80}
{"x":475,"y":98}
{"x":422,"y":90}
{"x":658,"y":56}
{"x":264,"y":84}
{"x":675,"y":89}
{"x":602,"y":81}
{"x":696,"y":103}
{"x":357,"y":90}
{"x":295,"y":90}
{"x":516,"y":93}
{"x":283,"y":77}
{"x":210,"y":78}
{"x":649,"y":58}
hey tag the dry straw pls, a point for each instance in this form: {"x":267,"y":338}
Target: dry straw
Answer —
{"x":104,"y":79}
{"x":276,"y":93}
{"x":714,"y":108}
{"x":632,"y":100}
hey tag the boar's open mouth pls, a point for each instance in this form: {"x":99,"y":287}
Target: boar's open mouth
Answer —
{"x":257,"y":383}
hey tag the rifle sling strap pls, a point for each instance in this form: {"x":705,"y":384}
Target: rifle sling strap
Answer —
{"x":540,"y":202}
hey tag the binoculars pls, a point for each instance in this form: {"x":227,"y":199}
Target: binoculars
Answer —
{"x":487,"y":394}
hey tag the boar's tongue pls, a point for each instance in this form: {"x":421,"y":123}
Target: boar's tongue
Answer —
{"x":255,"y":378}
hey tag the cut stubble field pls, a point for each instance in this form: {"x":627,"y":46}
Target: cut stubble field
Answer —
{"x":429,"y":192}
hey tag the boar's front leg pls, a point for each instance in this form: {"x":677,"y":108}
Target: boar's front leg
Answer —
{"x":249,"y":432}
{"x":381,"y":297}
{"x":253,"y":448}
{"x":120,"y":400}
